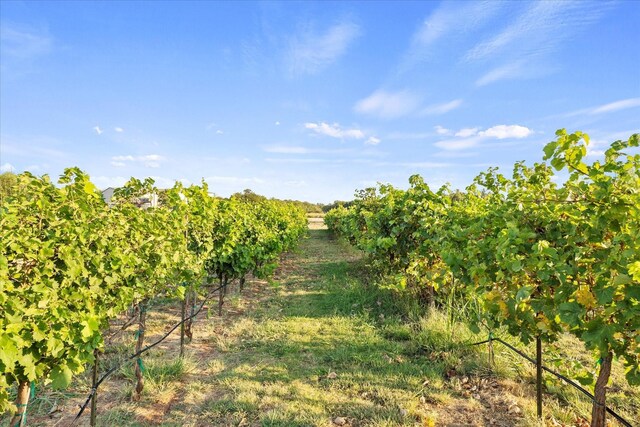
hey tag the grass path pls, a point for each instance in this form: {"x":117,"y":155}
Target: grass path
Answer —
{"x":313,"y":347}
{"x":307,"y":350}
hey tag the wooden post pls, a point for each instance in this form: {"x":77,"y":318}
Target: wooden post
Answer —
{"x":20,"y":417}
{"x":220,"y":296}
{"x":182,"y":326}
{"x":492,"y":360}
{"x":539,"y":376}
{"x":139,"y":344}
{"x":599,"y":409}
{"x":94,"y":388}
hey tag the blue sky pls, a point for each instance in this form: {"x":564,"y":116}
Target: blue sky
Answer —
{"x":308,"y":100}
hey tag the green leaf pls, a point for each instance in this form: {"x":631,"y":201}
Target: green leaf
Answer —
{"x":549,"y":149}
{"x":621,"y":279}
{"x":570,"y":313}
{"x":515,"y":265}
{"x":60,"y":377}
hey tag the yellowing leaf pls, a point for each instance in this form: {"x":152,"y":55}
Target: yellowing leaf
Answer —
{"x":585,"y":297}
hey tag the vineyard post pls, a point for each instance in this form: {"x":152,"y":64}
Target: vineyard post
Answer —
{"x":183,"y":311}
{"x":599,"y":410}
{"x":220,"y":295}
{"x":20,"y":417}
{"x":94,"y":386}
{"x":539,"y":376}
{"x":242,"y":280}
{"x":139,"y":344}
{"x":492,"y":360}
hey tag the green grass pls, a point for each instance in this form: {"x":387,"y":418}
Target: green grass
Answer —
{"x":320,"y":341}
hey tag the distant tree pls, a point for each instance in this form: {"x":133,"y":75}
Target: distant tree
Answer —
{"x":248,"y":196}
{"x":8,"y":183}
{"x":327,"y":208}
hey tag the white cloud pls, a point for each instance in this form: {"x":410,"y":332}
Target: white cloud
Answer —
{"x":310,"y":53}
{"x":219,"y":132}
{"x":388,"y":105}
{"x":442,"y":130}
{"x":97,"y":130}
{"x":149,"y":160}
{"x":458,"y":144}
{"x":441,"y":108}
{"x":466,"y":132}
{"x":118,"y":129}
{"x":123,"y":158}
{"x":471,"y":137}
{"x":372,"y":141}
{"x":277,"y":123}
{"x":507,"y":131}
{"x":7,"y":167}
{"x":334,"y":130}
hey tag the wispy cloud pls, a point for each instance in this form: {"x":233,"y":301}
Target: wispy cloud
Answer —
{"x":23,"y":43}
{"x":372,"y":140}
{"x":471,"y":137}
{"x":334,"y":130}
{"x":409,"y":135}
{"x":149,"y":160}
{"x":33,"y":147}
{"x":388,"y":105}
{"x":294,"y":160}
{"x":502,"y":72}
{"x":228,"y":161}
{"x":295,"y":183}
{"x":98,"y":130}
{"x":524,"y":45}
{"x":616,"y":106}
{"x":622,"y":104}
{"x":296,"y":149}
{"x":541,"y":28}
{"x":118,"y":129}
{"x":450,"y":19}
{"x":466,"y":132}
{"x":442,"y":130}
{"x":437,"y":109}
{"x":310,"y":52}
{"x":416,"y":165}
